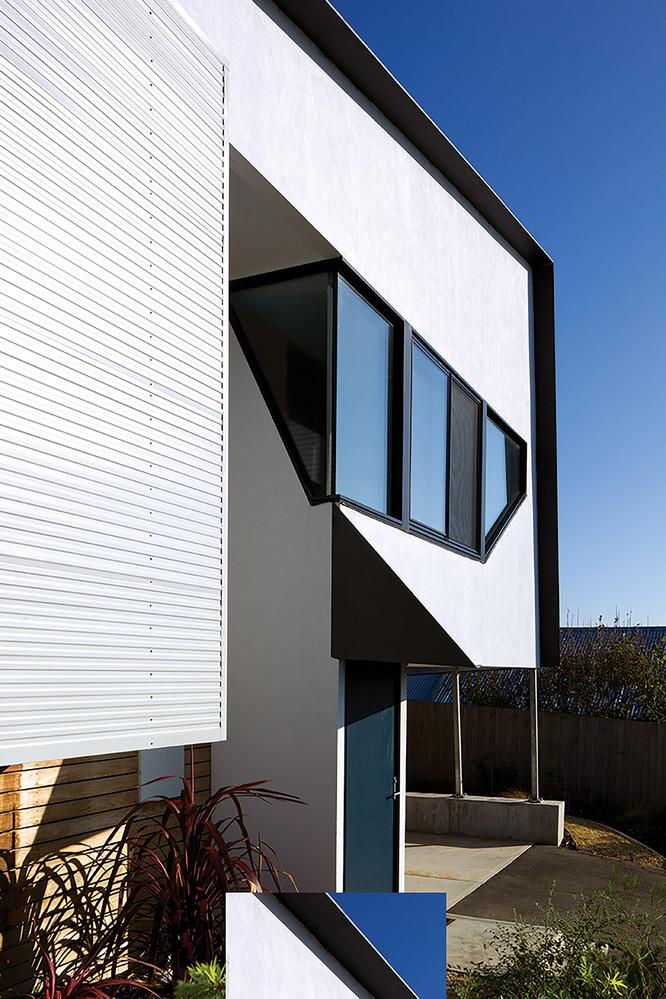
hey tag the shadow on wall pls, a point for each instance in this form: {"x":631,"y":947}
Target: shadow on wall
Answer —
{"x":55,"y":820}
{"x":54,"y":816}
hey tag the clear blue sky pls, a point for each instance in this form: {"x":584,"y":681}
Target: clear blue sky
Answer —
{"x":409,"y":930}
{"x":561,"y":106}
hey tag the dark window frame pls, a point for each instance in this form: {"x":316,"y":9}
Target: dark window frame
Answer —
{"x":403,"y":340}
{"x":417,"y":526}
{"x":274,"y":277}
{"x":500,"y":524}
{"x":423,"y":530}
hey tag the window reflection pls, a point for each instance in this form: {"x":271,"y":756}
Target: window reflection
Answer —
{"x":502,"y":473}
{"x":362,"y":403}
{"x":428,"y":441}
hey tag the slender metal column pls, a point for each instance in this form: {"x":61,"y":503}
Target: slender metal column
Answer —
{"x":457,"y":734}
{"x":534,"y":734}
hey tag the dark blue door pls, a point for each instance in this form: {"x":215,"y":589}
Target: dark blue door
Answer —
{"x":372,"y":697}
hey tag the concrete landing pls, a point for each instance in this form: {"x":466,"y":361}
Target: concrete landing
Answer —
{"x":514,"y":819}
{"x":456,"y":865}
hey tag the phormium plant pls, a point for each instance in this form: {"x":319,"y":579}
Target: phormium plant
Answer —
{"x":183,"y":860}
{"x":153,"y":896}
{"x":85,"y":979}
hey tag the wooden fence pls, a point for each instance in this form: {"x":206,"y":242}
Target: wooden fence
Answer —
{"x":597,"y":765}
{"x":58,"y":805}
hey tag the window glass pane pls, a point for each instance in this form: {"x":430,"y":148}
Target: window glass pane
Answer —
{"x":502,"y":473}
{"x":286,"y":326}
{"x":362,"y":414}
{"x":463,"y":471}
{"x":429,"y":418}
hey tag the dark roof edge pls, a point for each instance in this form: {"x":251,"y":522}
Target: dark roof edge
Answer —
{"x":323,"y":917}
{"x":339,"y":42}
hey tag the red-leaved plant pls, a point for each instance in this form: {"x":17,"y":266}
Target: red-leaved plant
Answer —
{"x":154,"y":894}
{"x":85,"y":977}
{"x":182,"y":862}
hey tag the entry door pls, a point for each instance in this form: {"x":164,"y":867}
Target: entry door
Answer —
{"x":372,"y":699}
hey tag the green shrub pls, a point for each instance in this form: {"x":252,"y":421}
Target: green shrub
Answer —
{"x":611,"y":946}
{"x":204,"y":981}
{"x":612,"y":675}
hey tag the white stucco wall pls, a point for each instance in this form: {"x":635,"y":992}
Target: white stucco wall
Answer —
{"x":271,"y":955}
{"x":381,"y":205}
{"x":283,"y":685}
{"x":326,"y":149}
{"x":484,"y":608}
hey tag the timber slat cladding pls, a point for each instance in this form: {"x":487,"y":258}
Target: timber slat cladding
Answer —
{"x":67,"y":806}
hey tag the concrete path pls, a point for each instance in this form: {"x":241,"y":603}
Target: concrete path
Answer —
{"x":524,"y":887}
{"x":456,"y":865}
{"x":469,"y":941}
{"x":549,"y":873}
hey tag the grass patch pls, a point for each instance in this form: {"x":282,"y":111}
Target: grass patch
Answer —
{"x":603,"y":841}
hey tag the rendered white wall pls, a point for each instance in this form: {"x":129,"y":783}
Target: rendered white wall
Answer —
{"x":283,"y":685}
{"x":271,"y":955}
{"x":326,"y":149}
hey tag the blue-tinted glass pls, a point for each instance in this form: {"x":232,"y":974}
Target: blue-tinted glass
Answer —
{"x":503,"y":461}
{"x":496,"y":495}
{"x":429,"y":415}
{"x":362,"y":401}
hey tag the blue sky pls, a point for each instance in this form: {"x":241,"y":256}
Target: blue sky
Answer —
{"x":409,"y":930}
{"x":561,"y":107}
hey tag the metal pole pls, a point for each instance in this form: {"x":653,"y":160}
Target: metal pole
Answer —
{"x":534,"y":734}
{"x":457,"y":734}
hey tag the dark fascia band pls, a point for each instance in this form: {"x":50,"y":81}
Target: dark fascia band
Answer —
{"x":323,"y":917}
{"x":349,"y":53}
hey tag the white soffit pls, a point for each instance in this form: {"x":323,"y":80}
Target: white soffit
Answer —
{"x":487,"y":609}
{"x":113,"y":157}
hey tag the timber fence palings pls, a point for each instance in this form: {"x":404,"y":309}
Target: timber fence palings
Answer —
{"x":597,"y":765}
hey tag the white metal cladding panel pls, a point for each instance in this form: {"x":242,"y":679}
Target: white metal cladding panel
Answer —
{"x":112,"y":271}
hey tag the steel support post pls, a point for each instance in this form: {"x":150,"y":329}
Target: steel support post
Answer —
{"x":457,"y":734}
{"x":535,"y":794}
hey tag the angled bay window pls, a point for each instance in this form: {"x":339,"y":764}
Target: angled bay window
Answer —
{"x":370,"y":414}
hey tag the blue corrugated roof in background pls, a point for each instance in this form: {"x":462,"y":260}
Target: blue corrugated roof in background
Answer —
{"x":430,"y":687}
{"x":577,"y":638}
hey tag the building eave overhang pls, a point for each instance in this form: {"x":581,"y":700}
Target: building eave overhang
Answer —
{"x":323,"y":917}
